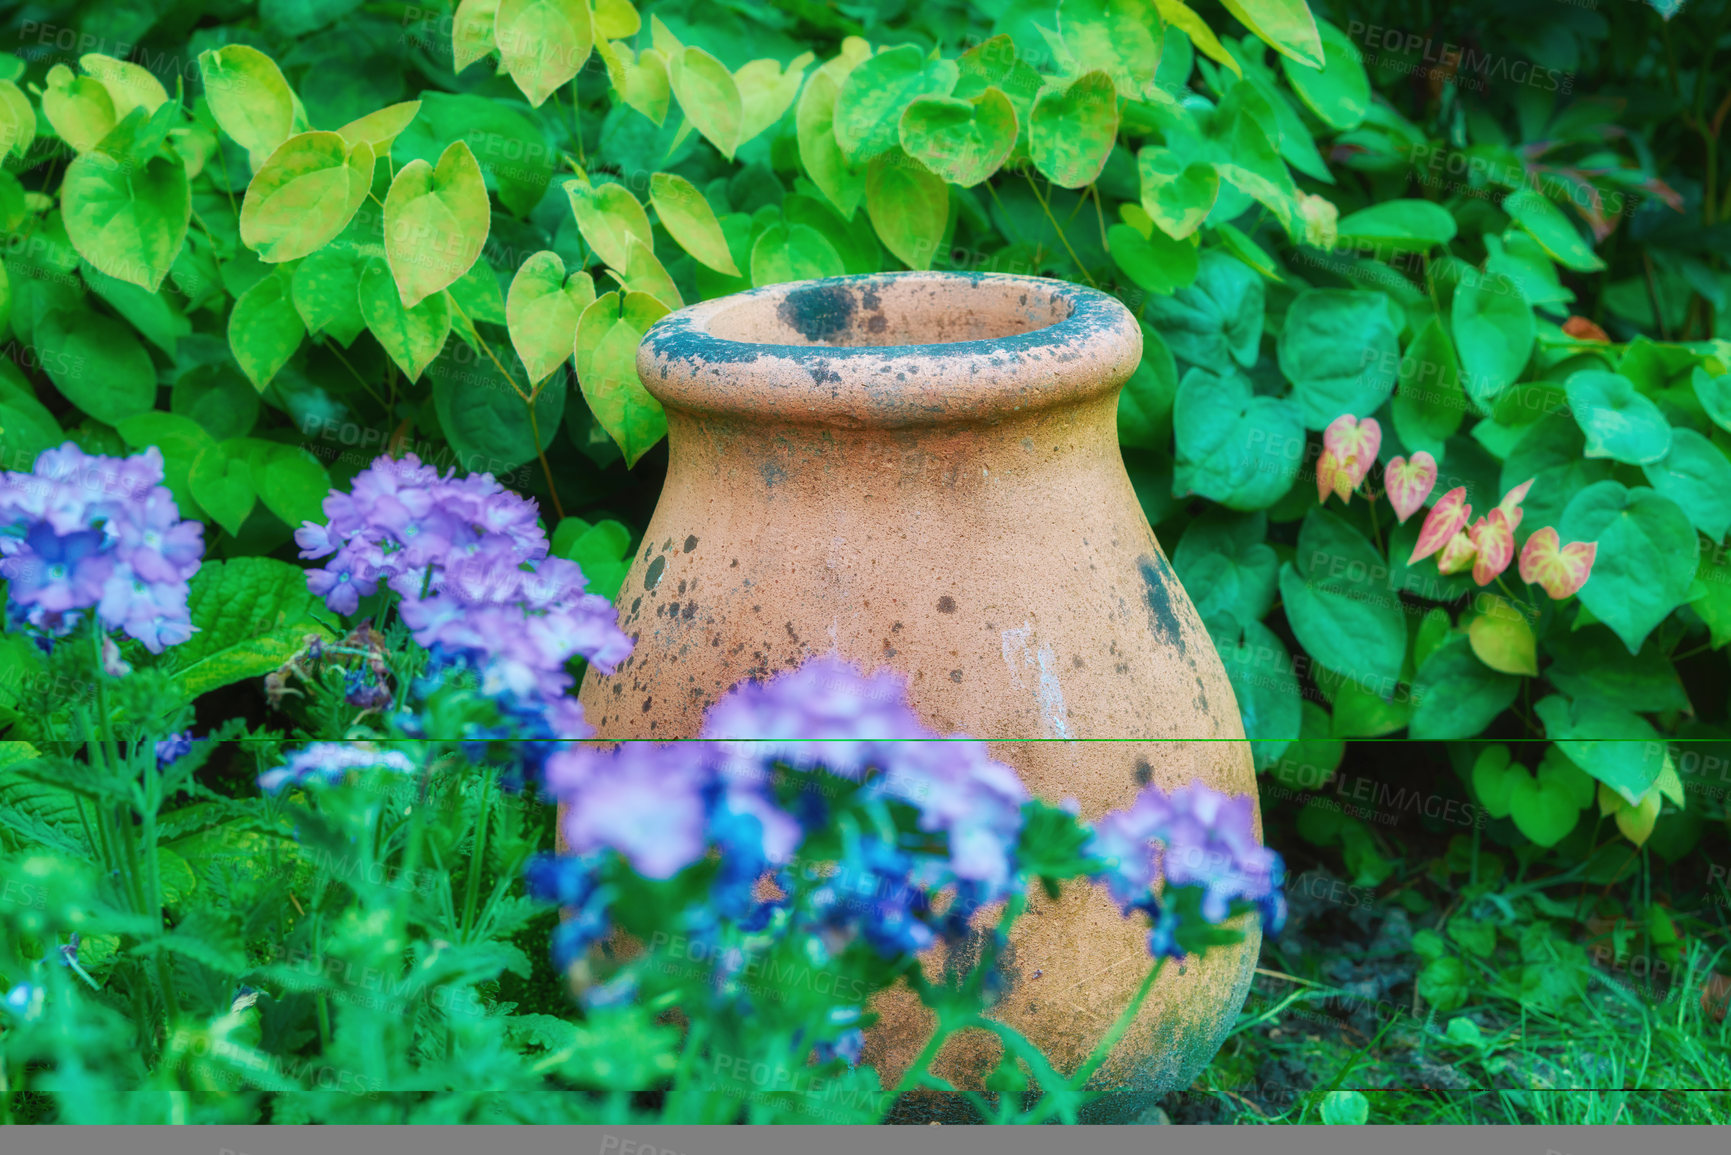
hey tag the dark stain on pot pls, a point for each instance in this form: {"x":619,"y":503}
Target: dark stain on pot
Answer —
{"x":818,"y":313}
{"x":1159,"y":579}
{"x":791,"y":634}
{"x":773,"y":474}
{"x":647,"y":702}
{"x":955,"y":676}
{"x":946,"y":604}
{"x":690,"y":543}
{"x":1144,"y":772}
{"x":652,"y":576}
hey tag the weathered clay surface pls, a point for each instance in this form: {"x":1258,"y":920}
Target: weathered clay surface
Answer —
{"x":921,"y":471}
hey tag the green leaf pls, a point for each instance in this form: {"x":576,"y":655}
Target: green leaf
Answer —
{"x":1118,"y":37}
{"x":785,"y":252}
{"x":1339,"y":93}
{"x":218,"y":398}
{"x":608,"y":216}
{"x":436,"y":222}
{"x":97,"y":363}
{"x":1430,"y":403}
{"x":379,"y":129}
{"x":155,"y":315}
{"x":1552,"y":454}
{"x":963,"y":141}
{"x":1345,"y":1107}
{"x":842,"y":182}
{"x":1234,"y":447}
{"x":1227,"y":567}
{"x":1615,"y":746}
{"x":412,"y":337}
{"x":766,"y":92}
{"x":304,"y":195}
{"x":472,"y":31}
{"x":1339,"y":605}
{"x":326,"y":289}
{"x":603,"y":550}
{"x":1145,"y":405}
{"x":252,"y":613}
{"x":27,"y":427}
{"x":1714,"y":393}
{"x":868,"y":110}
{"x":1547,"y":225}
{"x":17,"y":121}
{"x":542,"y":43}
{"x":515,"y":154}
{"x":264,"y":330}
{"x":1398,"y":226}
{"x":909,"y":208}
{"x":1696,"y":476}
{"x":709,"y":96}
{"x":1592,"y":663}
{"x":1455,"y":695}
{"x":79,"y":109}
{"x":248,"y":96}
{"x":1493,"y":330}
{"x":1217,"y":320}
{"x":607,"y":338}
{"x":687,"y":216}
{"x":1619,"y":422}
{"x":1502,"y":637}
{"x":222,"y":486}
{"x":1284,"y":25}
{"x":180,"y":440}
{"x":486,"y":421}
{"x":1073,"y":128}
{"x":1646,"y":559}
{"x":643,"y":272}
{"x":1340,"y":350}
{"x":542,"y":312}
{"x":1260,"y":670}
{"x":127,"y":221}
{"x":1176,"y":195}
{"x":1542,"y":809}
{"x":1156,"y":262}
{"x":291,"y":482}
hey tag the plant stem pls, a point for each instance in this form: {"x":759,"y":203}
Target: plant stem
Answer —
{"x":472,"y":888}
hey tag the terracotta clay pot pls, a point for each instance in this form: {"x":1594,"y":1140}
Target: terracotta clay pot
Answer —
{"x":921,"y":471}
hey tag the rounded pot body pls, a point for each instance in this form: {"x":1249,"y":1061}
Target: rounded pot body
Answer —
{"x":921,"y":471}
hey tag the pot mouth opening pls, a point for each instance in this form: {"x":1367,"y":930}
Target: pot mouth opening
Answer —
{"x":886,"y":312}
{"x":892,"y":349}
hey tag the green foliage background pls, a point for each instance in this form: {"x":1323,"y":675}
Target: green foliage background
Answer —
{"x":276,"y":240}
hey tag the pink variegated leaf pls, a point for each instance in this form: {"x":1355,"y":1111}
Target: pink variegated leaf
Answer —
{"x":1354,"y":443}
{"x":1511,"y":503}
{"x":1326,"y":467}
{"x":1495,"y":541}
{"x":1446,"y":518}
{"x":1409,"y":483}
{"x":1561,"y":572}
{"x":1458,"y":554}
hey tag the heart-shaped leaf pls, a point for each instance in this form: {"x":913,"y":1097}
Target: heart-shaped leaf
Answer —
{"x":1618,"y":421}
{"x":608,"y":334}
{"x":963,"y":141}
{"x":436,"y":222}
{"x":412,"y":337}
{"x":542,"y":312}
{"x":1073,"y":128}
{"x":305,"y":194}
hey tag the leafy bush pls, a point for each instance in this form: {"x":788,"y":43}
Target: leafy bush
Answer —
{"x":1472,"y":261}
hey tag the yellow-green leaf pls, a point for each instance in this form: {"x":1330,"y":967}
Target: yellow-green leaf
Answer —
{"x":793,"y":252}
{"x":436,"y":222}
{"x":909,"y":206}
{"x":608,"y":334}
{"x":542,"y":311}
{"x":616,"y":19}
{"x":608,"y":215}
{"x":304,"y":195}
{"x":248,"y":96}
{"x":709,"y":96}
{"x":543,"y":43}
{"x":78,"y":107}
{"x":17,"y":120}
{"x":644,"y":273}
{"x":1284,"y":25}
{"x":1073,"y":128}
{"x":766,"y":92}
{"x":472,"y":31}
{"x":843,"y":183}
{"x":1502,"y":638}
{"x":129,"y":85}
{"x":687,"y":216}
{"x":640,"y":79}
{"x":380,"y":128}
{"x":127,"y":219}
{"x":963,"y":141}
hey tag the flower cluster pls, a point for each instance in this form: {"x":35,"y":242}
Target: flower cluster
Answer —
{"x":84,"y":532}
{"x":470,"y":562}
{"x":1207,"y":841}
{"x":330,"y":762}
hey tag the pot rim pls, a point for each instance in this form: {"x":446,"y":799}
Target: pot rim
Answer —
{"x":1090,"y":351}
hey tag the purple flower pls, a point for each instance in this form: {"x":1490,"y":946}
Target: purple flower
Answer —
{"x":1207,"y":842}
{"x":83,"y":532}
{"x":329,"y":763}
{"x":173,"y":748}
{"x":648,"y":803}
